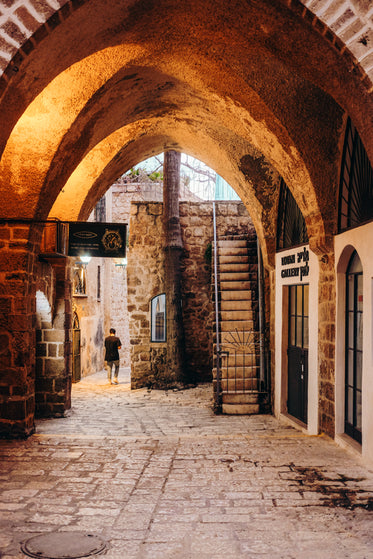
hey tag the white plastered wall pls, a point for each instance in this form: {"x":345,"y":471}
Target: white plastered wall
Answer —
{"x":281,"y":322}
{"x":361,"y":240}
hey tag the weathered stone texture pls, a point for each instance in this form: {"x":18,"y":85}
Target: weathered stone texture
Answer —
{"x":327,"y":315}
{"x":146,"y":280}
{"x":17,"y":353}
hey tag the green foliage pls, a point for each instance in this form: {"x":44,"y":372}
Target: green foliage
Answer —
{"x":156,"y":176}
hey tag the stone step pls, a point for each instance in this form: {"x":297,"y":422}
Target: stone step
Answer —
{"x":246,"y":373}
{"x":237,"y":385}
{"x":238,"y":267}
{"x":237,"y":315}
{"x":222,"y":243}
{"x":240,"y":409}
{"x":233,"y":259}
{"x":236,"y":285}
{"x":237,"y":305}
{"x":240,"y":295}
{"x":237,"y":328}
{"x":240,"y":398}
{"x":234,"y":268}
{"x":232,"y":251}
{"x":234,"y":275}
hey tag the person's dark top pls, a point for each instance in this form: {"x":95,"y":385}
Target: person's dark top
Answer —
{"x":112,"y":344}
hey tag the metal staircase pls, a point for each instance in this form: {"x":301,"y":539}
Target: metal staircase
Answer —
{"x":239,"y":383}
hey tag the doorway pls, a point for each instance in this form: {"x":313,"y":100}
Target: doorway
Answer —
{"x":298,"y":338}
{"x":354,"y":348}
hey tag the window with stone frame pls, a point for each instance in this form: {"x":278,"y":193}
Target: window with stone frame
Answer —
{"x":158,"y":318}
{"x":79,"y":282}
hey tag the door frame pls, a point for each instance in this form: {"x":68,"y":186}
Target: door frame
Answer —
{"x":281,"y":340}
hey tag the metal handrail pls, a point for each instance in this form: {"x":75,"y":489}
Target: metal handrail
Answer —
{"x":261,"y":313}
{"x":217,"y":401}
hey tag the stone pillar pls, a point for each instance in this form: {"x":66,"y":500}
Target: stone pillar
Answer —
{"x":327,"y":317}
{"x":17,"y":335}
{"x":323,"y":245}
{"x":54,"y":351}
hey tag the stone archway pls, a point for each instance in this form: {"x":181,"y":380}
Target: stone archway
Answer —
{"x":88,"y":96}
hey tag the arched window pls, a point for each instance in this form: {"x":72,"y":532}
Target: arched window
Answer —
{"x":356,"y":184}
{"x":291,"y":227}
{"x":354,"y":348}
{"x":158,"y":318}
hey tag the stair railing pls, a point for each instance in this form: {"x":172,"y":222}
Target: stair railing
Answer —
{"x":261,"y":316}
{"x":217,"y":326}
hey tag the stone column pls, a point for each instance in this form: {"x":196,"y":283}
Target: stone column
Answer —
{"x":323,"y":246}
{"x":17,"y":334}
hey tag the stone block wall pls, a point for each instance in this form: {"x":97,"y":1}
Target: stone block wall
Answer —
{"x":53,"y":340}
{"x":17,"y":335}
{"x":145,"y":272}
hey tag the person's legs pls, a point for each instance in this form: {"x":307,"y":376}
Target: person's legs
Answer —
{"x":109,"y":366}
{"x":116,"y":371}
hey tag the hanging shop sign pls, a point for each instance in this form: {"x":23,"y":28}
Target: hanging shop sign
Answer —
{"x":105,"y":240}
{"x":296,"y":264}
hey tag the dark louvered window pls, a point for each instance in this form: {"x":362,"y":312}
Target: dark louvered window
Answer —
{"x":291,"y":227}
{"x":356,"y":185}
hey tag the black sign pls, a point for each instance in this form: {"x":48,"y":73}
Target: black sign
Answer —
{"x":106,"y":240}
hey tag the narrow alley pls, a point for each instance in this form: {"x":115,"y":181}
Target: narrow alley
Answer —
{"x":156,"y":474}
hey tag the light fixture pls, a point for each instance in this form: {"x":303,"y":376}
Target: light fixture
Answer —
{"x":85,"y":259}
{"x":121,"y":262}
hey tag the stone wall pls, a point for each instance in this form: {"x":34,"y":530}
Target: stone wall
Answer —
{"x":53,"y":340}
{"x":146,"y":279}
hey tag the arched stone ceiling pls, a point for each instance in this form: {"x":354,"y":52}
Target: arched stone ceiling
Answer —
{"x":231,"y":84}
{"x":351,"y":21}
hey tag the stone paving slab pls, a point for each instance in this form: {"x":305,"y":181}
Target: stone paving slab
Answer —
{"x":158,"y":475}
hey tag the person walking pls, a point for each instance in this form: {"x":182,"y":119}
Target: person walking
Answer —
{"x":112,"y":345}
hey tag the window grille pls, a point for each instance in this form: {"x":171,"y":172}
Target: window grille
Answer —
{"x":356,"y":183}
{"x":291,"y":226}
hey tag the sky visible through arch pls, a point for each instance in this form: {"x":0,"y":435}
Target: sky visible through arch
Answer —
{"x":198,"y":177}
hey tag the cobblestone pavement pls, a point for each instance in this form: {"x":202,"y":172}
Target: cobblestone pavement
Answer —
{"x":158,"y":475}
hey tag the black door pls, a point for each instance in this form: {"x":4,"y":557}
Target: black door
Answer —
{"x":354,"y":349}
{"x":298,"y":352}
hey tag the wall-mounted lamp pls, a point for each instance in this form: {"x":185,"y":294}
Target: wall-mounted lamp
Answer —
{"x":85,"y":259}
{"x":121,"y":262}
